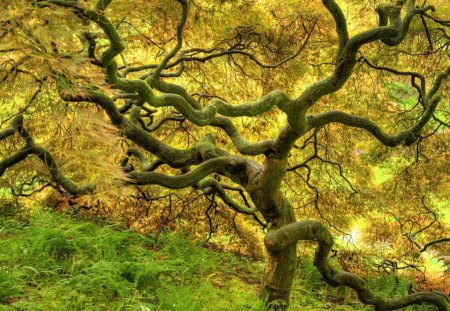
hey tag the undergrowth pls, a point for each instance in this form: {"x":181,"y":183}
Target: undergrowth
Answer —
{"x":54,"y":261}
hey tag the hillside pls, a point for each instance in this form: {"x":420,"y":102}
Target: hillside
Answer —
{"x":54,"y":261}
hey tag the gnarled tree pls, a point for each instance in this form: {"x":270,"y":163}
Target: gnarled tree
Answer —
{"x":88,"y":64}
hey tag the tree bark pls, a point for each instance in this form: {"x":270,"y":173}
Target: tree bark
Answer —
{"x":280,"y":265}
{"x":279,"y":272}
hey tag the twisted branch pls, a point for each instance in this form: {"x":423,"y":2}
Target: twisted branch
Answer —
{"x":217,"y":165}
{"x":279,"y":239}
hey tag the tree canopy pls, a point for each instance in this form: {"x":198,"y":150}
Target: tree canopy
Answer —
{"x":335,"y":113}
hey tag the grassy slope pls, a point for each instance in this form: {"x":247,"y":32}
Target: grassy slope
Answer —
{"x":55,"y":262}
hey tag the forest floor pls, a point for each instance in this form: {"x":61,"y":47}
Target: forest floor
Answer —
{"x":54,"y":261}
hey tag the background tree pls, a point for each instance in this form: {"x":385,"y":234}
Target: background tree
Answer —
{"x":123,"y":57}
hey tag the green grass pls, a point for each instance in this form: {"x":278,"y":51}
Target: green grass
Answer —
{"x":59,"y":262}
{"x":54,"y":262}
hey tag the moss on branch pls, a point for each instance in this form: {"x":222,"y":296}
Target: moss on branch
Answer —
{"x":228,"y":164}
{"x":408,"y":136}
{"x":279,"y":239}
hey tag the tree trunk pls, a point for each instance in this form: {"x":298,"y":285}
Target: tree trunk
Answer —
{"x":264,"y":189}
{"x":279,"y":274}
{"x":280,"y":266}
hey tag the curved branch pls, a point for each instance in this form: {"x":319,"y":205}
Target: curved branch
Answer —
{"x":228,"y":164}
{"x":438,"y":82}
{"x":206,"y":116}
{"x":163,"y":121}
{"x":15,"y":125}
{"x":57,"y":175}
{"x":31,"y":148}
{"x":145,"y":165}
{"x":297,"y":122}
{"x":163,"y":64}
{"x":277,"y":240}
{"x":228,"y":200}
{"x":117,"y":46}
{"x":400,"y":73}
{"x":274,"y":98}
{"x":341,"y":24}
{"x":408,"y":136}
{"x":424,"y":248}
{"x":390,"y":14}
{"x":203,"y":117}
